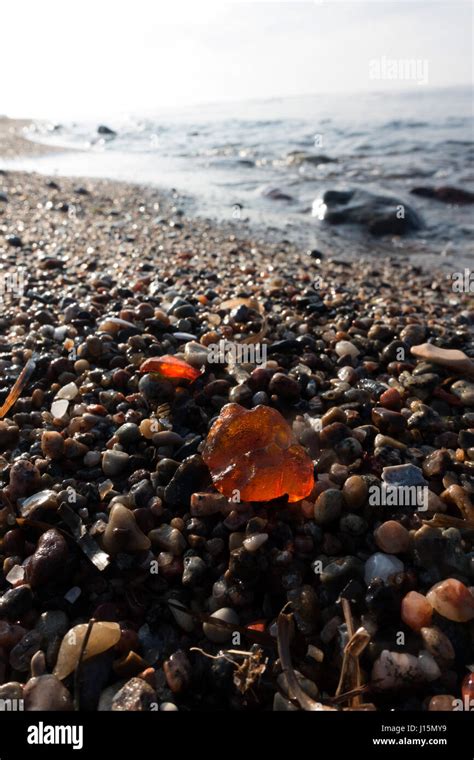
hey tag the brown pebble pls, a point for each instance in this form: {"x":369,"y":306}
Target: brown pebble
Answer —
{"x":355,"y":492}
{"x":52,"y":444}
{"x":25,"y":478}
{"x":334,"y":414}
{"x":48,"y":559}
{"x":392,"y":537}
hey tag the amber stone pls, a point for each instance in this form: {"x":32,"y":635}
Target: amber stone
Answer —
{"x":453,"y":600}
{"x":254,"y":452}
{"x":441,"y":703}
{"x":468,"y":689}
{"x":416,"y":611}
{"x":170,"y":366}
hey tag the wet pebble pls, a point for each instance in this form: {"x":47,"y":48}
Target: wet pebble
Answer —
{"x":219,"y":635}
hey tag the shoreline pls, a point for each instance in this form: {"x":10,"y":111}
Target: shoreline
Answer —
{"x":20,"y":154}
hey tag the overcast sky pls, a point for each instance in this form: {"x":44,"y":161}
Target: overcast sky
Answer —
{"x":107,"y":57}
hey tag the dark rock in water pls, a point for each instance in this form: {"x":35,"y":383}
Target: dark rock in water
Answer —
{"x":446,"y":194}
{"x":102,"y":129}
{"x":192,"y":475}
{"x":275,"y":194}
{"x":297,"y":157}
{"x":3,"y":198}
{"x":379,"y":214}
{"x":15,"y":602}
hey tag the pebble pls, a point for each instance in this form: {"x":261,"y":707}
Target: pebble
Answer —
{"x":128,"y":434}
{"x":395,"y":670}
{"x":194,"y":571}
{"x":69,"y":392}
{"x":388,"y":421}
{"x":135,"y":696}
{"x":441,"y":703}
{"x":183,"y":618}
{"x":437,"y":643}
{"x":328,"y":506}
{"x":346,"y":348}
{"x":403,"y":475}
{"x":464,"y":391}
{"x":16,"y":602}
{"x":59,"y":408}
{"x":382,"y":566}
{"x":25,"y":478}
{"x":416,"y":611}
{"x":391,"y":537}
{"x":168,"y":539}
{"x":52,"y":444}
{"x":355,"y":492}
{"x":254,"y":542}
{"x":453,"y":600}
{"x":122,"y":532}
{"x":284,"y":386}
{"x":47,"y":693}
{"x":348,"y":450}
{"x":114,"y":462}
{"x":221,"y":635}
{"x":103,"y":636}
{"x":191,"y":476}
{"x":48,"y":559}
{"x":178,"y":672}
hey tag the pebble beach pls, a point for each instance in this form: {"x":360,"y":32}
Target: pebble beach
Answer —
{"x":132,"y":578}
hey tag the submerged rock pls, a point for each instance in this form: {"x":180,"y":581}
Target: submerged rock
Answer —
{"x":378,"y":214}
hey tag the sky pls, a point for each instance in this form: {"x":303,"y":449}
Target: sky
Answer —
{"x":95,"y":58}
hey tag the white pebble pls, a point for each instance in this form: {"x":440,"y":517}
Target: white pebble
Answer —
{"x":346,"y":348}
{"x":59,"y":408}
{"x":16,"y":574}
{"x":68,"y":391}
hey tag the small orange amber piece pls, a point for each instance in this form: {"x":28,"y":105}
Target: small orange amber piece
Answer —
{"x":468,"y":690}
{"x":254,"y":452}
{"x":170,"y":366}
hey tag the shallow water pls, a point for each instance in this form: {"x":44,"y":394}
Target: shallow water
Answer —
{"x":227,"y":158}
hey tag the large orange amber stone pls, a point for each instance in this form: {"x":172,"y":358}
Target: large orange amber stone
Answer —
{"x":170,"y":366}
{"x":254,"y":451}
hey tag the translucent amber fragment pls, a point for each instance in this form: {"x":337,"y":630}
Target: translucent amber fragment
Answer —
{"x":170,"y":366}
{"x":253,"y":451}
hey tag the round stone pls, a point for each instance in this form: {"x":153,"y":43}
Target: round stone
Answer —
{"x":391,"y":537}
